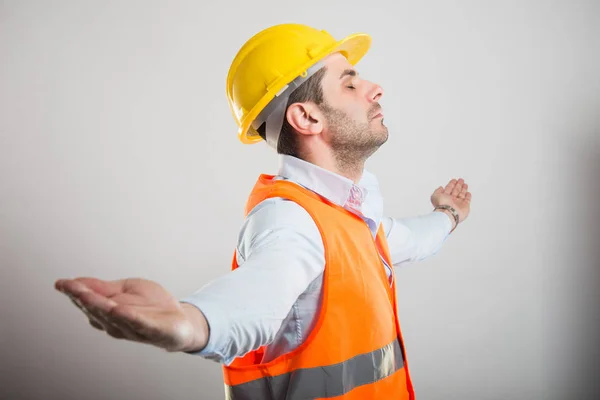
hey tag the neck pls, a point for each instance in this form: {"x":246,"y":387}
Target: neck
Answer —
{"x":344,"y":165}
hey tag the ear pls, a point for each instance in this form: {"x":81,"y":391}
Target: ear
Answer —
{"x":305,"y":118}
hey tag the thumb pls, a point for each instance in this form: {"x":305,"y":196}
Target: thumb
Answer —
{"x":435,"y":193}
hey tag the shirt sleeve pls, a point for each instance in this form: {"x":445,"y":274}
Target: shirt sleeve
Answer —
{"x":280,"y":252}
{"x":416,"y":238}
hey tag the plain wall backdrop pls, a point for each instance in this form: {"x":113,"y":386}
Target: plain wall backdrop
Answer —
{"x":119,"y":158}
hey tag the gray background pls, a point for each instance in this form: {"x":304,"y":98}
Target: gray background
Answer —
{"x":119,"y":158}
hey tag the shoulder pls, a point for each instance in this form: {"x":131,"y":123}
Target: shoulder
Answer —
{"x":275,"y":223}
{"x":277,"y":212}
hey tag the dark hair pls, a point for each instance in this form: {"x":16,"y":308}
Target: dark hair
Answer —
{"x":310,"y":90}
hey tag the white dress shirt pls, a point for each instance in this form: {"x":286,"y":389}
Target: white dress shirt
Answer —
{"x":273,"y":297}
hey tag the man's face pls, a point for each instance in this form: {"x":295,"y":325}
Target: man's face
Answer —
{"x":354,"y":118}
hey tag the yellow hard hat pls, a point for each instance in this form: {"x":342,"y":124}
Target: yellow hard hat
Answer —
{"x":273,"y":58}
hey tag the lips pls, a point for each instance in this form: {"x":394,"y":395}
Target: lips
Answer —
{"x":378,"y":112}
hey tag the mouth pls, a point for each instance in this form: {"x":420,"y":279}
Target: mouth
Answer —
{"x":379,"y":113}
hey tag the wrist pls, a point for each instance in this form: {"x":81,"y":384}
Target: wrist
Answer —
{"x":200,"y":328}
{"x":453,"y":219}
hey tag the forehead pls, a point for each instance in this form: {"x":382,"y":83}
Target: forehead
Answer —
{"x":336,"y":63}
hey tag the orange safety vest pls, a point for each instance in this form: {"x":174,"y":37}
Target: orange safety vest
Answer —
{"x":355,"y":350}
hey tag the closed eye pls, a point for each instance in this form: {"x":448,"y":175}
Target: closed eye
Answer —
{"x":351,"y":87}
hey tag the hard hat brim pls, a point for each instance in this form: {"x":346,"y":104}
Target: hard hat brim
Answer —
{"x":353,"y":47}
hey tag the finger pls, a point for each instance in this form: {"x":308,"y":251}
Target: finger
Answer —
{"x":114,"y":332}
{"x":94,"y":320}
{"x":98,"y":320}
{"x":77,"y":303}
{"x":91,"y":318}
{"x":463,"y":191}
{"x":95,"y":301}
{"x":112,"y":327}
{"x":71,"y":287}
{"x":78,"y":285}
{"x":117,"y":320}
{"x":125,"y":324}
{"x":468,"y":196}
{"x":458,"y":187}
{"x":96,"y":324}
{"x":105,"y":288}
{"x":450,"y":186}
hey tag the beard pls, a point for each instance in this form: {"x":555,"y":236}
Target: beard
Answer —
{"x":353,"y":142}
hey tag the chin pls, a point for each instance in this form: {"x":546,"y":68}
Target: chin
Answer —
{"x":384,"y":139}
{"x":384,"y":134}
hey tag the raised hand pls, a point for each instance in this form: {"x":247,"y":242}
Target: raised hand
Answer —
{"x":455,"y":194}
{"x":138,"y":310}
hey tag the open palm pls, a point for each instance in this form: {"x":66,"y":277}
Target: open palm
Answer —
{"x":135,"y":309}
{"x":456,"y":195}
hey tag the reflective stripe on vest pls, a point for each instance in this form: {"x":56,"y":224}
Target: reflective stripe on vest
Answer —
{"x":323,"y":382}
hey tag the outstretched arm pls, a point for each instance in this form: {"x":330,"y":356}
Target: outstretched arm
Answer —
{"x":416,"y":238}
{"x":280,"y":254}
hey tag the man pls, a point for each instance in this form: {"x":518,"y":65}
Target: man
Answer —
{"x":309,"y":310}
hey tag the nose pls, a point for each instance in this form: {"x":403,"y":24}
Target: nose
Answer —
{"x":375,"y":93}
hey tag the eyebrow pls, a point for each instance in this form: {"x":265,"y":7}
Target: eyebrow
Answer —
{"x":348,"y":72}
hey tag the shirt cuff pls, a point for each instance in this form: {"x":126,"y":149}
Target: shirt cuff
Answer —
{"x":446,"y":220}
{"x":216,"y":324}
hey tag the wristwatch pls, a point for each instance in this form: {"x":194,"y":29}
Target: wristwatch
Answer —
{"x":452,"y":210}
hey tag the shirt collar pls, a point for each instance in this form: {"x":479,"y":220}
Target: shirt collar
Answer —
{"x":334,"y":187}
